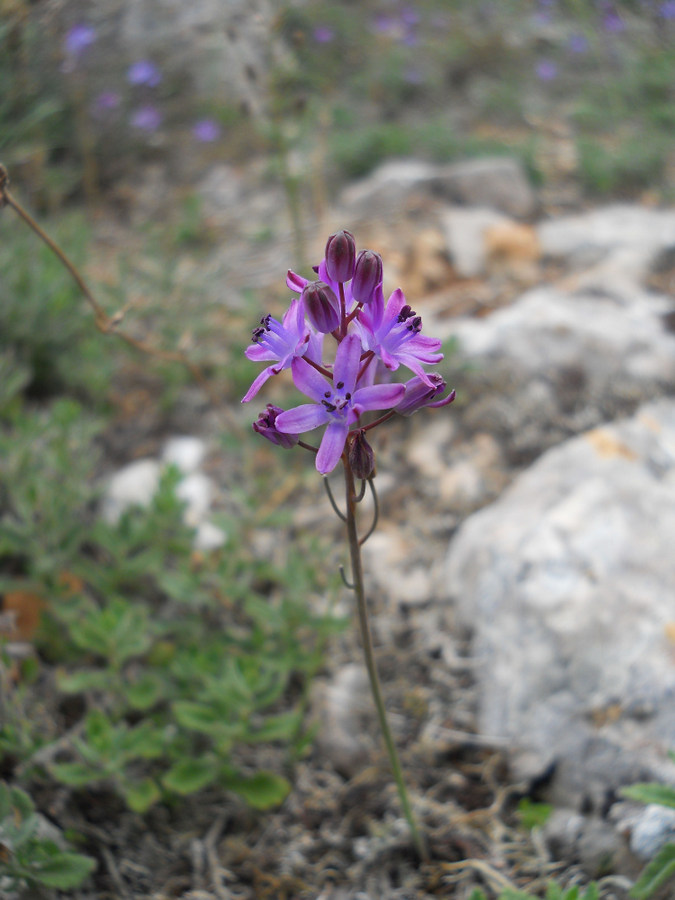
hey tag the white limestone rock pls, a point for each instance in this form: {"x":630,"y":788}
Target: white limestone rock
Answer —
{"x":567,"y":584}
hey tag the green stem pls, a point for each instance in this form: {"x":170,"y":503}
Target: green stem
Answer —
{"x":358,"y":587}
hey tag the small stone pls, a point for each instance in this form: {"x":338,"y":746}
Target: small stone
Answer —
{"x":186,"y":453}
{"x":196,"y":491}
{"x":134,"y":485}
{"x":209,"y":537}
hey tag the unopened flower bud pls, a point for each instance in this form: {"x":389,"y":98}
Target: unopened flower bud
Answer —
{"x":418,"y":394}
{"x":321,"y":306}
{"x":340,"y":256}
{"x":367,"y":275}
{"x":361,"y":456}
{"x":265,"y":425}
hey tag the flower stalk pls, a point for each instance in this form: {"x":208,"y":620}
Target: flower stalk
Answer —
{"x":357,"y":586}
{"x":373,"y":339}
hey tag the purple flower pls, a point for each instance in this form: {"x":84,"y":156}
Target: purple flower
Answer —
{"x":578,"y":43}
{"x":283,"y":342}
{"x":146,"y":118}
{"x":265,"y":425}
{"x":546,"y":70}
{"x":410,"y":16}
{"x":337,"y":403}
{"x":383,"y":24}
{"x":394,"y":334}
{"x":106,"y":101}
{"x":419,"y":394}
{"x":206,"y":130}
{"x":78,"y":38}
{"x":144,"y":72}
{"x":613,"y":23}
{"x":323,"y":34}
{"x":667,"y":9}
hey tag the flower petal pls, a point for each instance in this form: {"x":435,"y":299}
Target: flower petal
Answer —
{"x":302,"y":418}
{"x":347,"y":362}
{"x":379,"y":396}
{"x":295,"y":282}
{"x":258,"y":383}
{"x":332,"y":445}
{"x":308,"y":380}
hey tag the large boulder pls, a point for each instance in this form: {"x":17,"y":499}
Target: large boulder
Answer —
{"x":567,"y":585}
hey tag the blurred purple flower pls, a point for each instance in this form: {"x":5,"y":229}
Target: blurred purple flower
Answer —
{"x":383,"y":24}
{"x":667,"y":10}
{"x":410,"y":16}
{"x":146,"y":118}
{"x":578,"y":43}
{"x":206,"y":130}
{"x":613,"y":23}
{"x":323,"y":34}
{"x":106,"y":101}
{"x":78,"y":38}
{"x":144,"y":72}
{"x":546,"y":70}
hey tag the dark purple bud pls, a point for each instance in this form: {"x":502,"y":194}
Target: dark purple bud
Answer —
{"x":340,"y":255}
{"x":367,"y":276}
{"x":265,"y":426}
{"x":321,"y":306}
{"x":361,"y":456}
{"x":418,"y":394}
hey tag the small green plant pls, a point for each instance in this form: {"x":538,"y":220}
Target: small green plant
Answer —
{"x":661,"y":869}
{"x":533,"y":815}
{"x":27,"y":859}
{"x":553,"y":892}
{"x":182,"y":665}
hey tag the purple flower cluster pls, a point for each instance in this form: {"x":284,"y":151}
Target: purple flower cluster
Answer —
{"x":373,"y":338}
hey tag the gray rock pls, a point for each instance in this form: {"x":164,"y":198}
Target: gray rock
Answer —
{"x":591,"y":235}
{"x":464,"y":231}
{"x":498,"y":183}
{"x":344,"y":707}
{"x":559,"y":361}
{"x":592,"y":842}
{"x":567,"y":583}
{"x":654,"y":828}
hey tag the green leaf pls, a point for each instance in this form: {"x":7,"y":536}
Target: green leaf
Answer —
{"x":99,"y":731}
{"x":141,"y":795}
{"x":651,"y":792}
{"x":74,"y":774}
{"x":263,"y":790}
{"x":277,"y":728}
{"x":83,"y":680}
{"x":145,"y":741}
{"x":592,"y":892}
{"x":477,"y":894}
{"x":660,"y":870}
{"x":65,"y":870}
{"x":190,"y":775}
{"x":146,"y":692}
{"x":554,"y":892}
{"x":197,"y":716}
